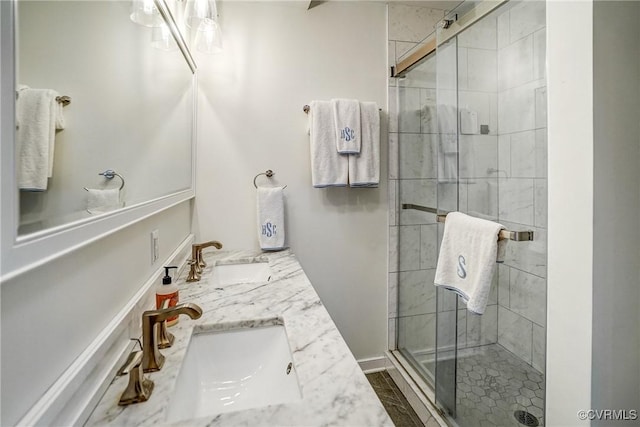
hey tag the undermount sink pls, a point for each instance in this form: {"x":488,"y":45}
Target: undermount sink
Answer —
{"x":234,"y":370}
{"x":249,"y":272}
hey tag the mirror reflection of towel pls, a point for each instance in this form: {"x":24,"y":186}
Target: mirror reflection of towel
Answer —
{"x":38,"y":115}
{"x":100,"y":201}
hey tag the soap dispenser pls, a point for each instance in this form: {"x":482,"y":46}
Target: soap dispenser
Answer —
{"x":168,"y":291}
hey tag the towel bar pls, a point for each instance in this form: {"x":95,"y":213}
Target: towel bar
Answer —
{"x":110,"y":174}
{"x":64,"y":100}
{"x":269,"y":173}
{"x":307,"y":108}
{"x":517,"y":236}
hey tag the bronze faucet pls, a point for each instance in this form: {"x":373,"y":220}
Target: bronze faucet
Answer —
{"x":196,"y":263}
{"x":152,"y":359}
{"x":139,"y":388}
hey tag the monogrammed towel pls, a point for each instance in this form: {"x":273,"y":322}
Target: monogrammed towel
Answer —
{"x":271,"y":218}
{"x":328,"y":167}
{"x":346,"y":114}
{"x":467,"y":258}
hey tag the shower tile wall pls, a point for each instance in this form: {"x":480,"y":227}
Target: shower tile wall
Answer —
{"x":412,"y":171}
{"x":522,"y":175}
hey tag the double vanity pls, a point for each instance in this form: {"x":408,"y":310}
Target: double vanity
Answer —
{"x":264,"y":352}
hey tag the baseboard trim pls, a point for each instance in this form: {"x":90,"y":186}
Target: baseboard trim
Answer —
{"x":71,"y":399}
{"x":373,"y":364}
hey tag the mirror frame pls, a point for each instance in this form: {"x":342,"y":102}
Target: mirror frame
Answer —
{"x":23,"y":253}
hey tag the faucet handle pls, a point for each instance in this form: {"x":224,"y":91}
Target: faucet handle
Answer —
{"x":165,"y":338}
{"x":139,"y":388}
{"x":193,"y":275}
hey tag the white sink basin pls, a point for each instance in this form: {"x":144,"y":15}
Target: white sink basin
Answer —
{"x":252,"y":272}
{"x":234,"y":370}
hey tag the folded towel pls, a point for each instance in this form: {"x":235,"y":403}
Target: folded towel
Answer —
{"x":328,"y":167}
{"x":100,"y":201}
{"x":364,"y":168}
{"x":271,"y":218}
{"x":467,"y":258}
{"x":37,"y":113}
{"x":346,"y":114}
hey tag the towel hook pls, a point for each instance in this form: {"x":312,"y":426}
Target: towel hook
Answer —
{"x":269,"y":173}
{"x":110,"y":174}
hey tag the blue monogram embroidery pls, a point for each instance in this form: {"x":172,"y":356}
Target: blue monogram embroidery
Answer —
{"x":462,"y":273}
{"x":269,"y":229}
{"x":347,"y":134}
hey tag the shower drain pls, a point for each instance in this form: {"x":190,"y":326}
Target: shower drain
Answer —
{"x":525,"y":418}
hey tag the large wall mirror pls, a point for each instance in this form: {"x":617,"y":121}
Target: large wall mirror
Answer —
{"x":95,"y":92}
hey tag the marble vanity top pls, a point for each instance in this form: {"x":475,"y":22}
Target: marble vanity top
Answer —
{"x":335,"y":392}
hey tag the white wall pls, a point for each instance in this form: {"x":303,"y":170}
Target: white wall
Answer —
{"x":51,"y":314}
{"x":570,"y":222}
{"x":616,"y":270}
{"x":276,"y":59}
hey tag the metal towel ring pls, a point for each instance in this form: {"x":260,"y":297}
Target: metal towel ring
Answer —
{"x":109,"y":174}
{"x":269,"y":173}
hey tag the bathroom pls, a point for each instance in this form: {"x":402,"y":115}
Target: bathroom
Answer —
{"x":64,"y":290}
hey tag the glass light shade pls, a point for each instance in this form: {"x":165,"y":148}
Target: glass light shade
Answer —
{"x":198,"y":11}
{"x":145,"y":13}
{"x":209,"y":37}
{"x":161,"y":38}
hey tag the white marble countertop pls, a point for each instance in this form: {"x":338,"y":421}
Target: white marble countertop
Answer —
{"x":335,"y":392}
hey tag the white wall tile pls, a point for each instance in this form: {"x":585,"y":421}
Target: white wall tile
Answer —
{"x":540,"y":201}
{"x":516,"y":200}
{"x":447,"y":73}
{"x":515,"y":64}
{"x":448,"y":196}
{"x":393,"y":202}
{"x":482,"y":329}
{"x":515,"y":333}
{"x":539,"y":348}
{"x":504,"y":156}
{"x":463,"y":196}
{"x":391,"y":53}
{"x":428,"y":111}
{"x":541,"y":153}
{"x":526,"y":18}
{"x":478,"y":156}
{"x":392,"y":298}
{"x":428,"y":246}
{"x":393,"y":249}
{"x":417,"y":156}
{"x":504,"y":31}
{"x":481,"y":73}
{"x":484,"y":104}
{"x":408,"y":110}
{"x":541,"y":107}
{"x":391,"y":339}
{"x":523,"y":159}
{"x":528,"y":296}
{"x":516,"y":108}
{"x":402,"y":49}
{"x":448,"y":158}
{"x":393,"y":155}
{"x":503,"y":285}
{"x":416,"y":292}
{"x":417,"y":333}
{"x":418,"y":192}
{"x":527,"y":256}
{"x":481,"y":35}
{"x":409,"y":248}
{"x":393,"y":109}
{"x":411,"y":23}
{"x":482,"y":198}
{"x":540,"y":54}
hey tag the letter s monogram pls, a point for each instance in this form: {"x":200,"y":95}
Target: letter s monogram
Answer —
{"x":462,"y":273}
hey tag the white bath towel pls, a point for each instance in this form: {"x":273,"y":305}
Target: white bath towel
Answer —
{"x":364,"y":168}
{"x":346,"y":114}
{"x":270,"y":203}
{"x":103,"y":200}
{"x":37,"y":113}
{"x":467,"y":258}
{"x":328,"y":167}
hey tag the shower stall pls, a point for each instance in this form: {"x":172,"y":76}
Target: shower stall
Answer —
{"x":471,"y":137}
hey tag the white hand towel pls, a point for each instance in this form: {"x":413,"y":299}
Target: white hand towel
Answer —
{"x":100,"y":201}
{"x":364,"y":168}
{"x":467,"y":258}
{"x":347,"y":121}
{"x":36,"y":114}
{"x":328,"y":167}
{"x":271,"y":218}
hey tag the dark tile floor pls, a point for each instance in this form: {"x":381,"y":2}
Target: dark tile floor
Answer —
{"x":393,"y":400}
